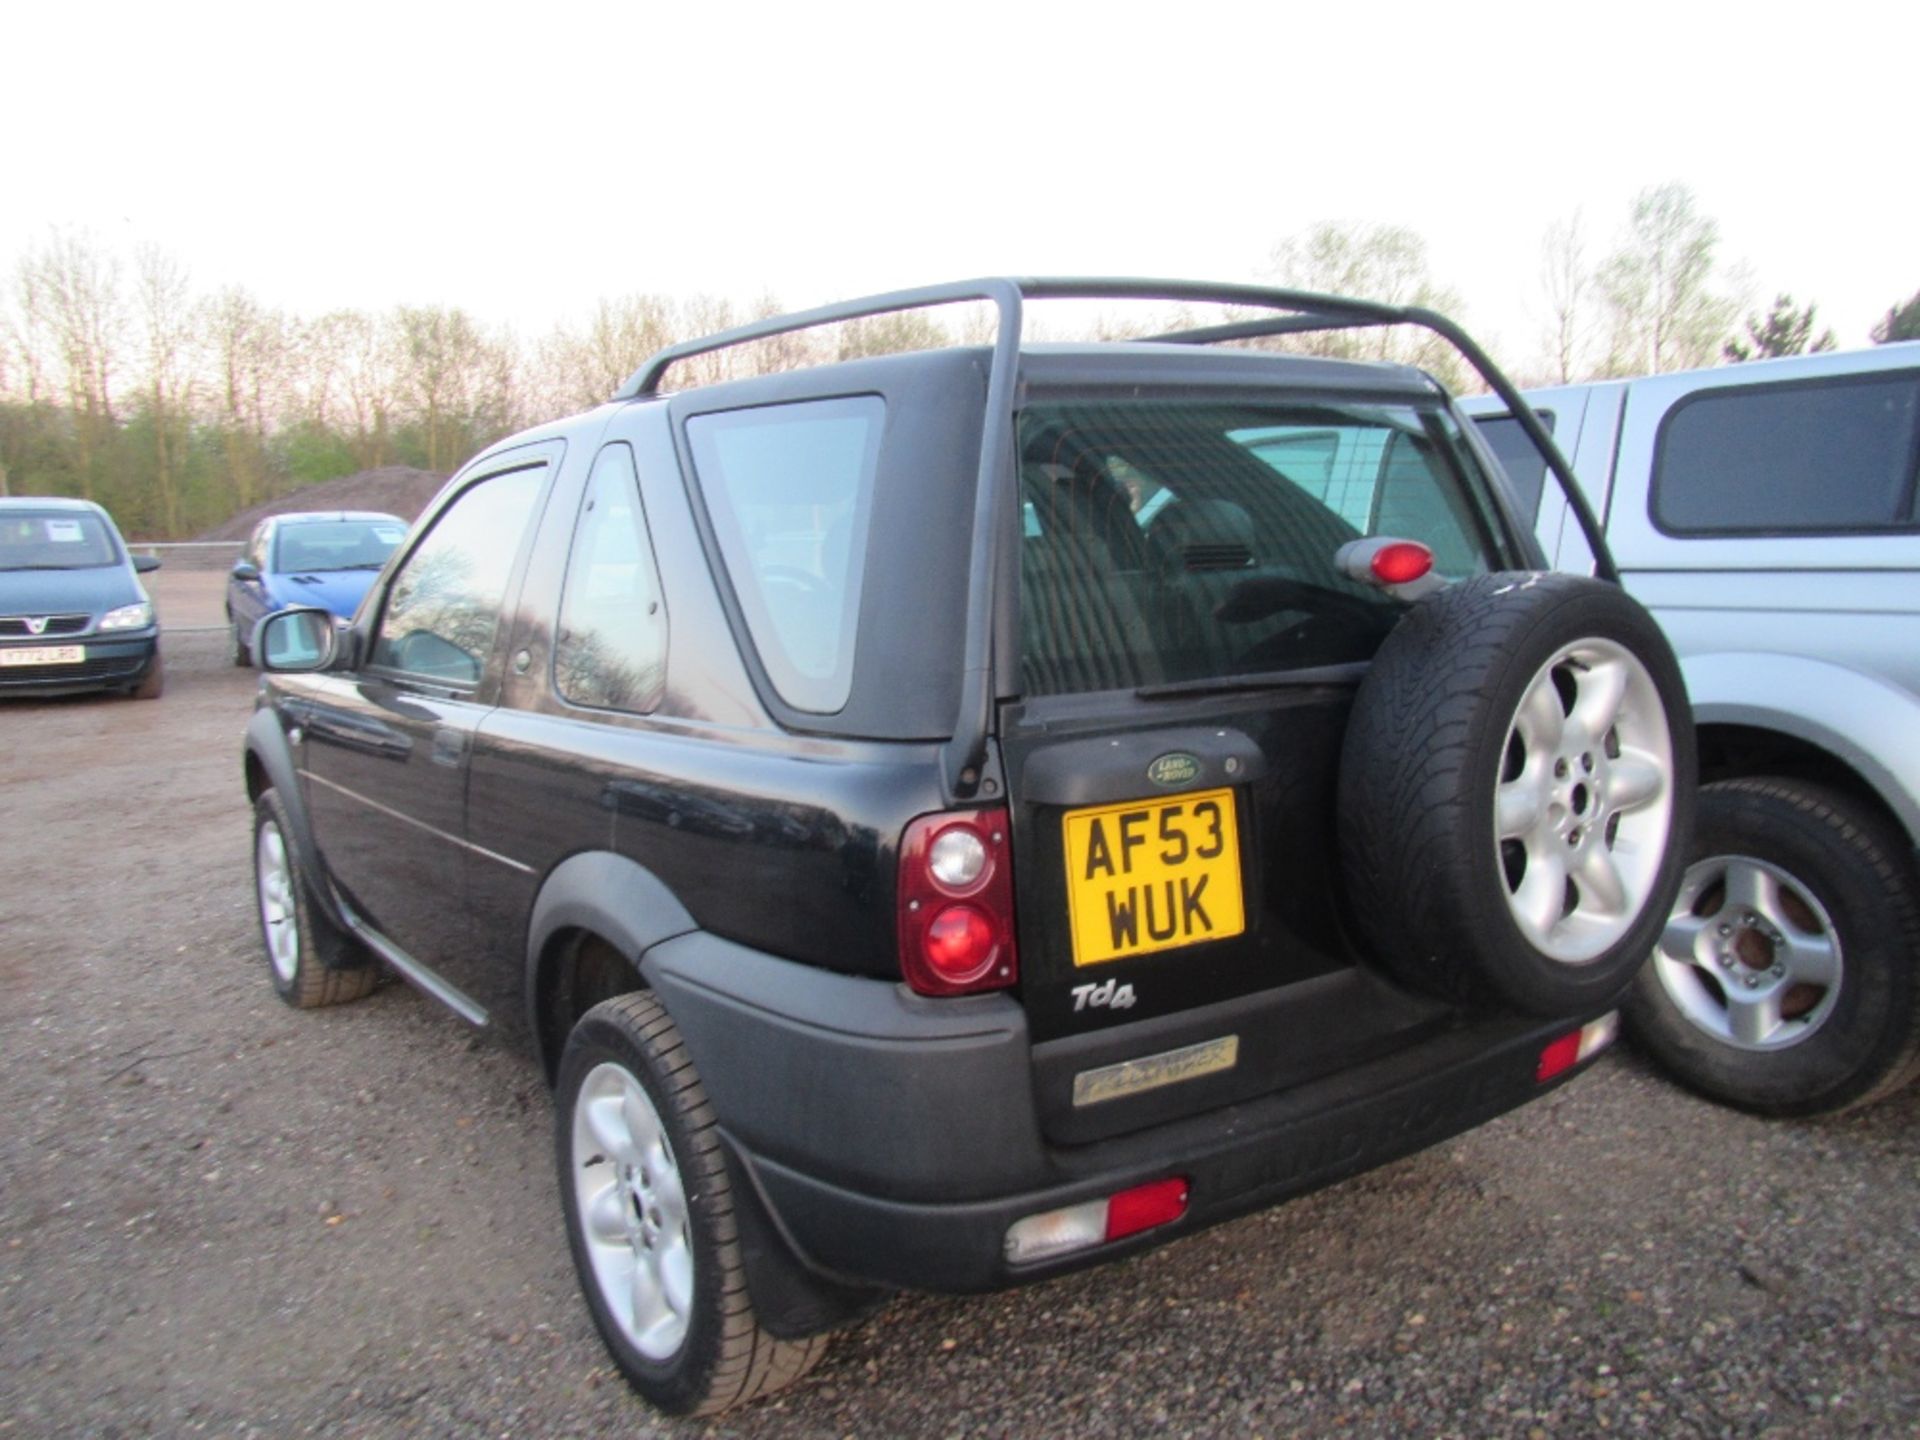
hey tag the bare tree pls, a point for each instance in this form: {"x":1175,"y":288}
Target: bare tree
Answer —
{"x":1658,"y":287}
{"x":70,"y":292}
{"x":1568,"y":284}
{"x":1386,"y":263}
{"x":169,"y":324}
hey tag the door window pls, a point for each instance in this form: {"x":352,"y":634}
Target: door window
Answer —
{"x":444,"y":604}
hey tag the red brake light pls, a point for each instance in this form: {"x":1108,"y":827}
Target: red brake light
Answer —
{"x":949,"y":948}
{"x":1401,"y":563}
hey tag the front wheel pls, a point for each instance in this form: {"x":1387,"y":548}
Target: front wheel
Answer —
{"x":1784,"y":981}
{"x":237,"y":645}
{"x":312,"y":963}
{"x":650,"y":1219}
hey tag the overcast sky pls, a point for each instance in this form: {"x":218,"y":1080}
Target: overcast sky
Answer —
{"x":521,"y":161}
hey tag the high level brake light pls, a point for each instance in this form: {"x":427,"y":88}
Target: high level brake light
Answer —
{"x":956,"y":904}
{"x":1402,"y":568}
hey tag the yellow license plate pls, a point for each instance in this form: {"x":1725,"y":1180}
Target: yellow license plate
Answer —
{"x":1153,"y":875}
{"x":44,"y":655}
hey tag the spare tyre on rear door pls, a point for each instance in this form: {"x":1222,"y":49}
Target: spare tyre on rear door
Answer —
{"x":1516,"y":793}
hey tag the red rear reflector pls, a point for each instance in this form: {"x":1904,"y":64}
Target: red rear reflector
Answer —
{"x":1400,"y":563}
{"x":1559,"y":1057}
{"x":1569,"y":1050}
{"x":1146,"y":1206}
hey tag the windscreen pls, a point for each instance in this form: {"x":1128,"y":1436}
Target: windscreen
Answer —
{"x":55,"y":540}
{"x":311,"y":546}
{"x":1166,"y":541}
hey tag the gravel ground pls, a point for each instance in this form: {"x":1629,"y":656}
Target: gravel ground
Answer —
{"x":218,"y":1216}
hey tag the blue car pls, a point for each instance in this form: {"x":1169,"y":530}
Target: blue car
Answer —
{"x":324,"y":558}
{"x":73,"y":614}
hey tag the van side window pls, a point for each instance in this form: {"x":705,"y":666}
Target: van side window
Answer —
{"x":1821,"y":456}
{"x":611,"y":648}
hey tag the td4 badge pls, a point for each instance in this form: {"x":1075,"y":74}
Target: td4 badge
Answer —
{"x":1107,"y":995}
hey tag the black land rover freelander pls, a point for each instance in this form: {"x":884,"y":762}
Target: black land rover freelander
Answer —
{"x":950,"y":818}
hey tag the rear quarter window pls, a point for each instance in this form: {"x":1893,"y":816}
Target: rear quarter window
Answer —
{"x":1815,"y":457}
{"x":790,"y":491}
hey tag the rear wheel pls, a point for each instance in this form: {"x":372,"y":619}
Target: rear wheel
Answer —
{"x":1785,"y":981}
{"x":311,"y":961}
{"x":1515,"y":777}
{"x":650,"y":1218}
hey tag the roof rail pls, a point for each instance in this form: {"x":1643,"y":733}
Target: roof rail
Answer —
{"x":1299,"y":312}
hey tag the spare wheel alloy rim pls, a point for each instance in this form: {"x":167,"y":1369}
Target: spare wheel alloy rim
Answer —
{"x":1584,"y":803}
{"x":632,"y":1207}
{"x":1750,"y":956}
{"x":278,"y":918}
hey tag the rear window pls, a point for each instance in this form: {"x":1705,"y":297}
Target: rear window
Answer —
{"x":790,"y":490}
{"x":54,"y":540}
{"x":1821,"y":457}
{"x":1525,"y":466}
{"x":1166,"y":541}
{"x":313,"y":546}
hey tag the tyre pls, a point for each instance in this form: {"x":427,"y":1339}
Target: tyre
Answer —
{"x":237,"y":645}
{"x":1515,"y":790}
{"x":1785,"y":982}
{"x":650,"y":1218}
{"x":311,"y":961}
{"x":153,"y":683}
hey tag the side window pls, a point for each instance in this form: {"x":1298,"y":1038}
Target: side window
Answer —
{"x":1819,"y":456}
{"x":611,"y":647}
{"x":790,"y":489}
{"x":1525,"y":466}
{"x":444,"y":604}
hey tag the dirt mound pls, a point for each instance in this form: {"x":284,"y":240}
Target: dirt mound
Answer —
{"x":397,"y":489}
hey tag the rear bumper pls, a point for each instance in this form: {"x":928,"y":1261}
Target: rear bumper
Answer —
{"x":109,"y":664}
{"x":892,"y":1141}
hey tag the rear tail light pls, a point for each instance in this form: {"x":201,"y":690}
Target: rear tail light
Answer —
{"x":1570,"y":1049}
{"x":1402,"y":568}
{"x":1096,"y":1222}
{"x":956,"y":904}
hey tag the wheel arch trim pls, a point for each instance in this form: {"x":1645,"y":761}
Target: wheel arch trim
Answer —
{"x":601,"y":893}
{"x":1870,"y":726}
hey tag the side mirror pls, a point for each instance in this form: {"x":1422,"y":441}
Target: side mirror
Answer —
{"x":245,"y":570}
{"x":294,"y":641}
{"x":145,"y":564}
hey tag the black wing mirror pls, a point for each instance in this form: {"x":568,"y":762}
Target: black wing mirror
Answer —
{"x":297,"y":640}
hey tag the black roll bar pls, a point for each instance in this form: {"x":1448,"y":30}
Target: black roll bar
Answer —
{"x":1303,"y":312}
